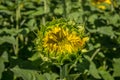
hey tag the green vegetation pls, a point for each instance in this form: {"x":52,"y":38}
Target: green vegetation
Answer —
{"x":20,"y":20}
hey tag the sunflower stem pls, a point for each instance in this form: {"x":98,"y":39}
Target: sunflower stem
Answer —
{"x":61,"y":72}
{"x":18,"y":15}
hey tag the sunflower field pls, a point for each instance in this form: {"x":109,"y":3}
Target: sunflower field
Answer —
{"x":59,"y":39}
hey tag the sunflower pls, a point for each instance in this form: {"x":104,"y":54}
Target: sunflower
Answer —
{"x":100,"y":3}
{"x":60,"y":38}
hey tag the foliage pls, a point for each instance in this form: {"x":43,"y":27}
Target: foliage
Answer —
{"x":20,"y":20}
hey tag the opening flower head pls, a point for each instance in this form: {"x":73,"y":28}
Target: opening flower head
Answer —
{"x":60,"y":38}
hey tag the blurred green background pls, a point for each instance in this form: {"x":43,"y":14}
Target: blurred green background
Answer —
{"x":21,"y":19}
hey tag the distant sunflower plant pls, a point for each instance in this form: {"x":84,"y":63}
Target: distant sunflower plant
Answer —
{"x":59,"y":40}
{"x":101,"y":4}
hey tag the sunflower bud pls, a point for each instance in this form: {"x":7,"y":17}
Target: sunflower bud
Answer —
{"x":60,"y":39}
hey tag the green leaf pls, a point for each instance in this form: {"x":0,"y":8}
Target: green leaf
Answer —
{"x":11,"y":31}
{"x":39,"y":12}
{"x":39,"y":77}
{"x":101,"y":54}
{"x":74,"y":15}
{"x":2,"y":7}
{"x":58,"y":9}
{"x":6,"y":11}
{"x":32,"y":24}
{"x":54,"y":76}
{"x":93,"y":71}
{"x":32,"y":74}
{"x":92,"y":18}
{"x":29,"y":5}
{"x":73,"y":76}
{"x":106,"y":31}
{"x":35,"y":57}
{"x":1,"y":66}
{"x":27,"y":74}
{"x":92,"y":68}
{"x":114,"y":19}
{"x":4,"y":56}
{"x":8,"y":39}
{"x":116,"y":67}
{"x":28,"y":12}
{"x":106,"y":75}
{"x":49,"y":76}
